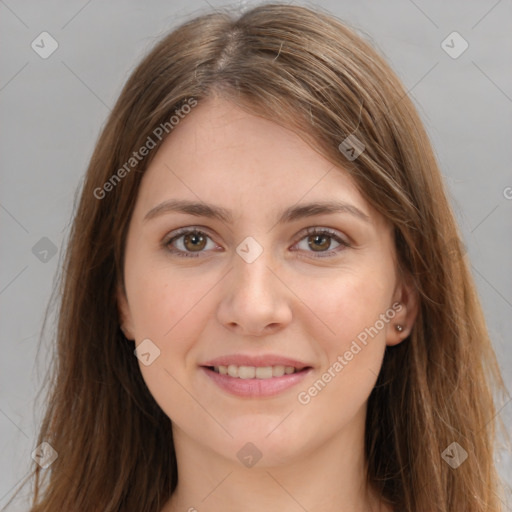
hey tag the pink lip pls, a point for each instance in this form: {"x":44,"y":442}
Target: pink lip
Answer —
{"x":255,"y":388}
{"x":261,"y":360}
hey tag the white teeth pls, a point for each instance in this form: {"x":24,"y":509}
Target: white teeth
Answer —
{"x":246,"y":372}
{"x":251,"y":372}
{"x":278,"y":370}
{"x":263,"y":372}
{"x":233,"y":370}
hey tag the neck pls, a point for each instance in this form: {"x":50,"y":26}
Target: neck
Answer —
{"x":327,"y":478}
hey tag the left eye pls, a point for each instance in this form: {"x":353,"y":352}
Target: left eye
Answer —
{"x":193,"y":241}
{"x":323,"y":238}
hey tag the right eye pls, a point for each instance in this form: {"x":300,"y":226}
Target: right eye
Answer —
{"x":191,"y":240}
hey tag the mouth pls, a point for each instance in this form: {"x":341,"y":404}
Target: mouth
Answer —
{"x":256,"y":372}
{"x":255,"y":381}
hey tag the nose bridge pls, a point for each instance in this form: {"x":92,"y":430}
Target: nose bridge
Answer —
{"x":254,"y":299}
{"x":252,"y":262}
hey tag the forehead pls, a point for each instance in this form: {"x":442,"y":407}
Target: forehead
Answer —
{"x":219,"y":153}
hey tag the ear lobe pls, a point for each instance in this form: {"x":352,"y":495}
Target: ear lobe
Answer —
{"x":408,"y":297}
{"x":123,"y":309}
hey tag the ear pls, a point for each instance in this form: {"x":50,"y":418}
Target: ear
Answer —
{"x":125,"y":317}
{"x":405,"y":304}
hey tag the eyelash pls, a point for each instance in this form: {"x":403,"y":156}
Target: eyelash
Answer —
{"x":309,"y":231}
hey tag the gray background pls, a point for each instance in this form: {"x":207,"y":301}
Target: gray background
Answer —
{"x":52,"y":110}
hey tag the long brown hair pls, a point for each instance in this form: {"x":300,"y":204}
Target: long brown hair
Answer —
{"x":306,"y":70}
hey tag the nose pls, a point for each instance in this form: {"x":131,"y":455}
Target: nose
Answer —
{"x":255,"y":299}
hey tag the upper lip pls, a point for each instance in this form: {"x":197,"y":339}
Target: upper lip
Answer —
{"x":260,"y":360}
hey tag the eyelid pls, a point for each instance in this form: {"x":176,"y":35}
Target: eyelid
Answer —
{"x":185,"y":230}
{"x":343,"y":239}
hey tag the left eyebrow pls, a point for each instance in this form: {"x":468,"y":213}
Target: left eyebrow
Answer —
{"x":288,"y":215}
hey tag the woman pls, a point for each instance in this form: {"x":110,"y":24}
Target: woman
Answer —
{"x":265,"y":305}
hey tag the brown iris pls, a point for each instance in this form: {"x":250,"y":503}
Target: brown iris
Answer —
{"x":316,"y":238}
{"x":197,"y":240}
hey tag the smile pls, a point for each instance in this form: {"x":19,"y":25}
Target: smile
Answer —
{"x":255,"y":381}
{"x":254,"y":372}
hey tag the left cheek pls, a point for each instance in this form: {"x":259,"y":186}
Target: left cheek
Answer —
{"x":351,"y":317}
{"x":351,"y":306}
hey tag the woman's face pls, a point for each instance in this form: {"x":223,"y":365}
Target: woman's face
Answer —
{"x":255,"y":292}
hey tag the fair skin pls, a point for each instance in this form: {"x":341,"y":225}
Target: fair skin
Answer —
{"x":299,"y":300}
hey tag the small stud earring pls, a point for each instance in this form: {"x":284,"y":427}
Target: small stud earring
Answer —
{"x":399,"y":328}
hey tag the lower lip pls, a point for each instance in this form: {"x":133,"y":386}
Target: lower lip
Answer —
{"x":255,"y":388}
